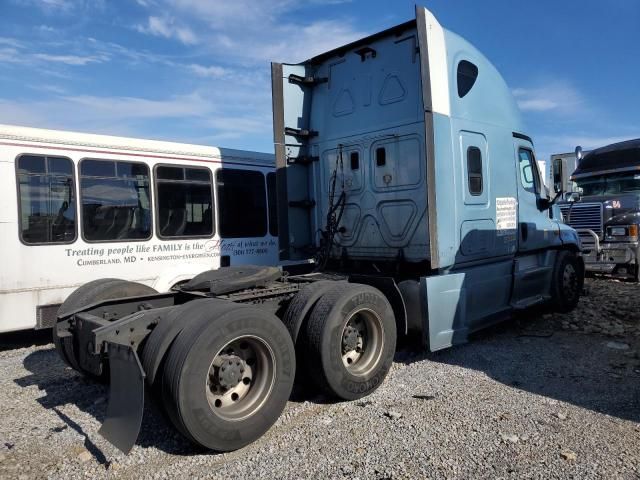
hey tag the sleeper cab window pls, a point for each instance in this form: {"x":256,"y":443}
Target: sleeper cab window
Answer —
{"x":46,"y":199}
{"x":184,"y":205}
{"x":467,"y":76}
{"x":527,"y":170}
{"x":474,"y":170}
{"x":354,"y":158}
{"x":115,"y":199}
{"x":242,"y":203}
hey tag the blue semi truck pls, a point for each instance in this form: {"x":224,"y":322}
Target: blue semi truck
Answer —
{"x":404,"y":171}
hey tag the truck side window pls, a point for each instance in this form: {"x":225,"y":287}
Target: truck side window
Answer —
{"x":184,"y":206}
{"x":46,"y":197}
{"x":115,"y":199}
{"x":528,"y":171}
{"x":467,"y":75}
{"x":355,"y":161}
{"x":381,"y":156}
{"x":242,"y":203}
{"x":474,"y":170}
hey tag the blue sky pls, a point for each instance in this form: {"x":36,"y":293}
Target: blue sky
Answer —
{"x":198,"y":70}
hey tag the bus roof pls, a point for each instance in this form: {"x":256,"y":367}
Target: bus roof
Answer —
{"x":77,"y":139}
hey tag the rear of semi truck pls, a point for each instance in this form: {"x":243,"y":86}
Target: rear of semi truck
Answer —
{"x":404,"y":171}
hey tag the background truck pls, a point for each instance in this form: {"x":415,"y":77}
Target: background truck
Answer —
{"x":605,"y":208}
{"x":402,"y":168}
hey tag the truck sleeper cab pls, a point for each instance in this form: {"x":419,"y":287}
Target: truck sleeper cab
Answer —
{"x":607,"y":211}
{"x":403,"y":170}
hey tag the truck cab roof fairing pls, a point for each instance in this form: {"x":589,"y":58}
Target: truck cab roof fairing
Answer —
{"x":611,"y":158}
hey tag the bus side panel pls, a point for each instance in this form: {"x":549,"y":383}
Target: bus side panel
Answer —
{"x":8,"y":208}
{"x":36,"y":279}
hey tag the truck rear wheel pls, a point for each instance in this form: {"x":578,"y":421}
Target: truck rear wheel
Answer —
{"x":351,"y":335}
{"x":567,"y":281}
{"x":89,"y":293}
{"x":228,"y":376}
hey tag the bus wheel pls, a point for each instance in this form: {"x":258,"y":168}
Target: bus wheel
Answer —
{"x":228,"y":376}
{"x":351,"y":335}
{"x":92,"y":292}
{"x":567,"y":281}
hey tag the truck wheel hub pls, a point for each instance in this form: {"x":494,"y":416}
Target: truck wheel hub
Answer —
{"x":230,"y":371}
{"x":350,"y":339}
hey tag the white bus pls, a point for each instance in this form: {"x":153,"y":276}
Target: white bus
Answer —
{"x":76,"y":207}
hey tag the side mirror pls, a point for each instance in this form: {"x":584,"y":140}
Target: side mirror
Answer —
{"x":558,"y":175}
{"x":543,"y":203}
{"x":574,"y":197}
{"x":578,"y":154}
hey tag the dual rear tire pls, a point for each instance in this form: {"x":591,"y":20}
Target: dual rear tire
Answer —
{"x":348,"y":340}
{"x":228,"y":374}
{"x":230,"y":371}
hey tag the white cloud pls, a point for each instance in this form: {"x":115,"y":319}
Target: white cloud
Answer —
{"x":558,"y":97}
{"x":210,"y":72}
{"x":242,"y":30}
{"x":192,"y":105}
{"x":168,"y":28}
{"x":10,"y":55}
{"x":64,"y":7}
{"x":135,"y":116}
{"x":74,"y":60}
{"x":11,"y":42}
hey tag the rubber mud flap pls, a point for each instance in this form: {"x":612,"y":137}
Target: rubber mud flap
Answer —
{"x":126,"y":398}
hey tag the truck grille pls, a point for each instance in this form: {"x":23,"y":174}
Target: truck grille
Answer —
{"x":584,"y":215}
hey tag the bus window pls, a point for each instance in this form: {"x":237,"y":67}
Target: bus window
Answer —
{"x":47,"y":202}
{"x":242,"y":204}
{"x":115,"y":200}
{"x":185,"y":201}
{"x":272,"y":195}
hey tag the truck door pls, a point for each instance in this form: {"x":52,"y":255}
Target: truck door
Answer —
{"x":536,"y":232}
{"x":535,"y":229}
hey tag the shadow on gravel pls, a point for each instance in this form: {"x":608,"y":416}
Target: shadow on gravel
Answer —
{"x":24,"y":339}
{"x":569,"y":367}
{"x":63,"y":386}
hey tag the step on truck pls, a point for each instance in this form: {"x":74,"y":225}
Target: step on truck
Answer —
{"x":403,"y":169}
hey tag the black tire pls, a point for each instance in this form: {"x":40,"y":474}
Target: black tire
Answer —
{"x":157,"y":344}
{"x":295,"y":320}
{"x":187,"y":369}
{"x":92,"y":292}
{"x":300,"y":307}
{"x":325,"y":336}
{"x":567,"y":281}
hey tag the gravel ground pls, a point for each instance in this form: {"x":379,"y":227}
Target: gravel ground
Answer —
{"x":545,"y":396}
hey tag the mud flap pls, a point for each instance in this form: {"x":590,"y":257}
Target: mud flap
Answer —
{"x":126,"y":398}
{"x":446,"y":304}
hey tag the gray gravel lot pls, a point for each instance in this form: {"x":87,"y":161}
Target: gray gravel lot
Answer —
{"x":545,"y":396}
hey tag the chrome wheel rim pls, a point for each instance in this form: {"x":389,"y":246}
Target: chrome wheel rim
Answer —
{"x":240,"y":378}
{"x":362,"y":341}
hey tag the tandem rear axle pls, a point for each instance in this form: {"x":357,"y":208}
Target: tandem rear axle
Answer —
{"x":223,"y":347}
